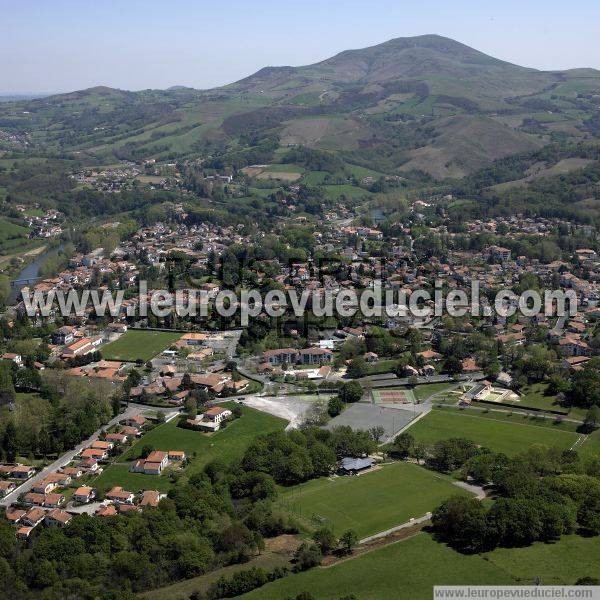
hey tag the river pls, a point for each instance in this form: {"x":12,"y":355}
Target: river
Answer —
{"x":30,"y":271}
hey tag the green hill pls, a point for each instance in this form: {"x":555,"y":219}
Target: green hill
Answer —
{"x":427,"y":104}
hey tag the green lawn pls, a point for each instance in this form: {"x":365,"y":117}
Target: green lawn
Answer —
{"x":372,"y":502}
{"x":535,"y":396}
{"x":121,"y":475}
{"x":561,"y":563}
{"x":427,"y":389}
{"x":228,"y":444}
{"x":406,"y":570}
{"x":136,"y":344}
{"x":499,"y":431}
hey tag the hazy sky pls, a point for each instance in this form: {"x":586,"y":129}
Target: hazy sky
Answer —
{"x":63,"y":45}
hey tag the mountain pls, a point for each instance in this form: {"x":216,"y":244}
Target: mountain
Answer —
{"x":424,"y":58}
{"x":426,"y":103}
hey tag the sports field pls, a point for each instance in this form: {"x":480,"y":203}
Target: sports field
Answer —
{"x":371,"y":502}
{"x":139,"y":344}
{"x":497,"y":431}
{"x":406,"y":570}
{"x":393,"y":397}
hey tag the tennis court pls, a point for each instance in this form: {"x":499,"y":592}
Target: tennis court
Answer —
{"x":393,"y":397}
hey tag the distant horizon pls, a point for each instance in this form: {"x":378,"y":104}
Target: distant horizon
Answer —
{"x":66,"y":46}
{"x":38,"y":93}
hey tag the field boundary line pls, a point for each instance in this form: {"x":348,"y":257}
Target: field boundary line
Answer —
{"x":410,"y":523}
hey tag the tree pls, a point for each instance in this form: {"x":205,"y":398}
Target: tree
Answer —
{"x":307,"y":556}
{"x":585,"y":386}
{"x":10,"y":442}
{"x":323,"y":458}
{"x":453,"y":365}
{"x":348,"y":540}
{"x":449,"y":455}
{"x":7,"y":388}
{"x":589,"y":513}
{"x":461,"y":522}
{"x":592,"y":419}
{"x":350,"y":391}
{"x":404,"y":444}
{"x":146,"y":450}
{"x":377,"y":433}
{"x":357,"y":368}
{"x":588,"y":581}
{"x":335,"y":406}
{"x":4,"y":289}
{"x":325,"y":539}
{"x":420,"y":451}
{"x":191,"y":407}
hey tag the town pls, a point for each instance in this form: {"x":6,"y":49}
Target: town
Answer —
{"x":329,"y":332}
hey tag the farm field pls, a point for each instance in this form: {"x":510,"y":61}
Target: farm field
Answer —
{"x":14,"y":238}
{"x":137,"y":344}
{"x":372,"y":502}
{"x":228,"y":443}
{"x":333,"y":192}
{"x":406,"y":570}
{"x":497,"y":431}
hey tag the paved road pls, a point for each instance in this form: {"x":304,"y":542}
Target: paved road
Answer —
{"x":67,"y":457}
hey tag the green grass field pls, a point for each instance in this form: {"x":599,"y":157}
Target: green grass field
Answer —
{"x":427,"y":389}
{"x":136,"y":344}
{"x":561,"y":563}
{"x":121,"y":475}
{"x":372,"y":502}
{"x":14,"y":238}
{"x":591,"y":445}
{"x":314,"y":177}
{"x":409,"y":570}
{"x":228,"y":444}
{"x":497,"y":431}
{"x":183,"y":589}
{"x":535,"y":396}
{"x":405,"y":570}
{"x":333,"y":192}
